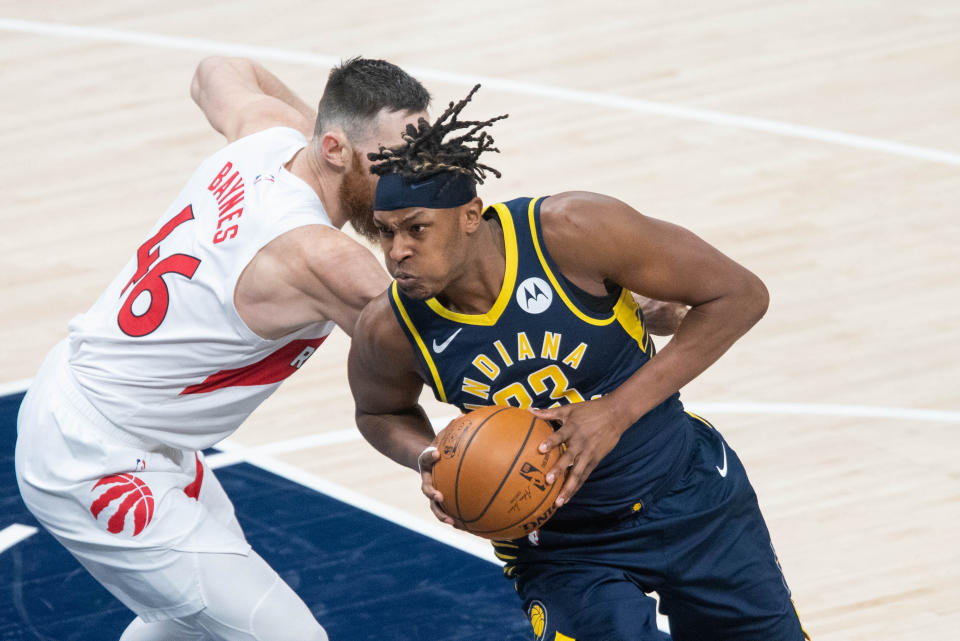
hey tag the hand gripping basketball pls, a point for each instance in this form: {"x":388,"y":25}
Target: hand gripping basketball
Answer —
{"x":430,"y":449}
{"x":587,"y":433}
{"x":425,"y":462}
{"x":491,"y":478}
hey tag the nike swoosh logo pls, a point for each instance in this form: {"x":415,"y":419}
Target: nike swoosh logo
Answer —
{"x":420,"y":184}
{"x":723,"y":470}
{"x":439,"y":347}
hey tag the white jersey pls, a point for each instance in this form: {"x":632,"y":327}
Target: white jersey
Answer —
{"x":163,"y":354}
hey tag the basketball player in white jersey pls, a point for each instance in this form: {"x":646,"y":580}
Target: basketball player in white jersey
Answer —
{"x":236,"y":285}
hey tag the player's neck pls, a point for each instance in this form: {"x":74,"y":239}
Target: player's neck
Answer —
{"x":477,"y":286}
{"x":306,"y":166}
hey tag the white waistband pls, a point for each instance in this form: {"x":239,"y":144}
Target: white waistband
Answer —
{"x":71,"y":391}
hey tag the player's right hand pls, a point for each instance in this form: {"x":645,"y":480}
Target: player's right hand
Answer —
{"x":425,"y":462}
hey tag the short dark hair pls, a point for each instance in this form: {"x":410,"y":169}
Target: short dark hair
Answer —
{"x":360,"y":88}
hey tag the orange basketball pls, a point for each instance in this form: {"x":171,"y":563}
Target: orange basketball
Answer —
{"x":491,"y":474}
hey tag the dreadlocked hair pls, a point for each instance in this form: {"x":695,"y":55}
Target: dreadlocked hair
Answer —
{"x":424,"y":153}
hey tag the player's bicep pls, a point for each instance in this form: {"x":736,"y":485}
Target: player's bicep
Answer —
{"x":668,"y":262}
{"x":339,"y":276}
{"x":348,"y":288}
{"x":652,"y":257}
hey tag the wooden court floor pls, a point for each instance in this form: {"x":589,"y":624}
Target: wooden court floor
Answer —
{"x":816,"y":142}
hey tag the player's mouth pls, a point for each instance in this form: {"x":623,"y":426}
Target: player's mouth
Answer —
{"x":412,"y":286}
{"x":404,"y":280}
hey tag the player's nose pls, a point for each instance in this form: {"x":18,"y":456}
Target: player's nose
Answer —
{"x":400,"y":248}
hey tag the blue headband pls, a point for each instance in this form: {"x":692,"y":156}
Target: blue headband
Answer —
{"x":440,"y":191}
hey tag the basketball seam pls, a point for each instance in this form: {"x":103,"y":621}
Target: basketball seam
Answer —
{"x":527,"y":515}
{"x":463,"y":455}
{"x":505,"y":476}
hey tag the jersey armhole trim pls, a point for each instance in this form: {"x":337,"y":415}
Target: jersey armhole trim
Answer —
{"x":412,"y":330}
{"x":534,"y":218}
{"x":630,"y":318}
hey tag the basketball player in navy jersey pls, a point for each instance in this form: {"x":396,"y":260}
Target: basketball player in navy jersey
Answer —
{"x":528,"y":303}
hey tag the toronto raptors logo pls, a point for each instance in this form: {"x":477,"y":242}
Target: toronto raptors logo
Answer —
{"x":130,"y":495}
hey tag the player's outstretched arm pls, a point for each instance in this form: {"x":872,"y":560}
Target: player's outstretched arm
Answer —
{"x":386,"y":389}
{"x":240,"y":97}
{"x":595,"y":238}
{"x":310,"y":274}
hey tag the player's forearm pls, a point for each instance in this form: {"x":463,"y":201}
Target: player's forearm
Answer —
{"x":705,"y":334}
{"x":272,"y":86}
{"x":400,"y":436}
{"x":219,"y":80}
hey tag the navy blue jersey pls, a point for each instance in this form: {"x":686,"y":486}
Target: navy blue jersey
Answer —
{"x":543,"y":343}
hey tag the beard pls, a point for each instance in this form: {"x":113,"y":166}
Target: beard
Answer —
{"x":356,"y":198}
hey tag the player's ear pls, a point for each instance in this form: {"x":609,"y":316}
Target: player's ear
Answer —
{"x":472,"y":214}
{"x":335,"y":148}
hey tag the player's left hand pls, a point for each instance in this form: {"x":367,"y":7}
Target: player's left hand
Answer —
{"x":425,"y":462}
{"x":589,"y":431}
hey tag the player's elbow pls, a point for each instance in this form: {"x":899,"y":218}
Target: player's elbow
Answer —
{"x":195,"y":86}
{"x":211,"y":68}
{"x":755,"y":297}
{"x":202,"y":75}
{"x":367,"y":423}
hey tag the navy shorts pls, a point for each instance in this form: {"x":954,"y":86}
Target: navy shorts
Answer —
{"x":702,"y":546}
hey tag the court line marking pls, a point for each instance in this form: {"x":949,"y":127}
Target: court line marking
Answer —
{"x":13,"y":534}
{"x":235,"y":452}
{"x":824,"y":409}
{"x":256,"y":455}
{"x":479,"y":548}
{"x":14,"y":387}
{"x":262,"y":456}
{"x":434,"y":530}
{"x":724,"y":407}
{"x":614,"y":101}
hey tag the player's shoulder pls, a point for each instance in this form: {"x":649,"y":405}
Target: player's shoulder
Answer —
{"x":377,"y":313}
{"x":270,"y":113}
{"x":580,"y":227}
{"x":268,"y":136}
{"x":573,"y":206}
{"x":569,"y":217}
{"x":258,"y":155}
{"x":379,"y":328}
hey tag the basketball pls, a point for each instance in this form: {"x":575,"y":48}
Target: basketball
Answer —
{"x":491,"y":474}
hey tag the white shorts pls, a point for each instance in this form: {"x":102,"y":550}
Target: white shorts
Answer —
{"x":135,"y":514}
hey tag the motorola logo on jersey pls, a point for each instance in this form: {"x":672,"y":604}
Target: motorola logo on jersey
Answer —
{"x":534,"y":295}
{"x":129,"y":495}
